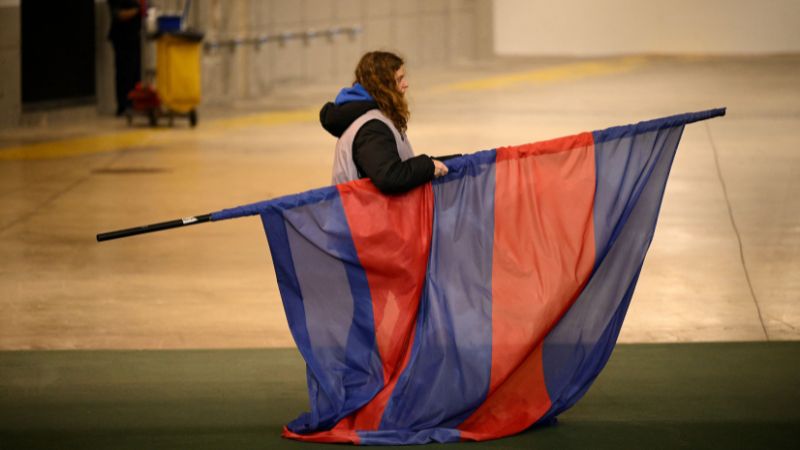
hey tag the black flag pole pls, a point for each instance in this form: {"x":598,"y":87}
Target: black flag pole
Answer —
{"x":117,"y":234}
{"x":257,"y":208}
{"x":178,"y":223}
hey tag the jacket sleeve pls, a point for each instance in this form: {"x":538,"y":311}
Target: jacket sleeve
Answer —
{"x":375,"y":155}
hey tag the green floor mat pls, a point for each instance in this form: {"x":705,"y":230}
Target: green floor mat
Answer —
{"x":727,"y":395}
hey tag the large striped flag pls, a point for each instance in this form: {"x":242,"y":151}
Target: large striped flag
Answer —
{"x":474,"y":306}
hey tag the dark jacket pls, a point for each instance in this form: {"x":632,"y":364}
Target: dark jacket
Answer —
{"x":124,"y":30}
{"x":375,"y":149}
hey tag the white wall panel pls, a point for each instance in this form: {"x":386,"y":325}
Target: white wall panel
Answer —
{"x":590,"y":27}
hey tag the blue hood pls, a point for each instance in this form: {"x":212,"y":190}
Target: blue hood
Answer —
{"x":355,"y":93}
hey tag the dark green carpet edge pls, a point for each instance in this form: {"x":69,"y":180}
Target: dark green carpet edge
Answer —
{"x":710,"y":395}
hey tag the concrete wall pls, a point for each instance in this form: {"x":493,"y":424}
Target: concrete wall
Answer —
{"x":590,"y":27}
{"x":427,"y":32}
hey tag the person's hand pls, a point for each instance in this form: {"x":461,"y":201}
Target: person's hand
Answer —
{"x":127,"y":14}
{"x":439,"y":169}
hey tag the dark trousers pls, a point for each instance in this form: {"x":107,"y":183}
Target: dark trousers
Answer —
{"x":128,"y":69}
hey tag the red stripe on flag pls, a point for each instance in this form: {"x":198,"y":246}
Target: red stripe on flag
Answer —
{"x":392,"y":238}
{"x":543,"y":255}
{"x":513,"y":406}
{"x":332,"y":436}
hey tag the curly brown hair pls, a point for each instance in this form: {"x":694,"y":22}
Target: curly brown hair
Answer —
{"x":376,"y":72}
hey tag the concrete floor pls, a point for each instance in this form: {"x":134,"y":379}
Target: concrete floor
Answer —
{"x":724,"y":265}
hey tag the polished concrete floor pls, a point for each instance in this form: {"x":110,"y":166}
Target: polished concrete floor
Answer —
{"x":724,"y":265}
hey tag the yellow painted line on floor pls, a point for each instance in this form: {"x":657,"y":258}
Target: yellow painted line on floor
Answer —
{"x":111,"y":142}
{"x":64,"y":148}
{"x":554,"y":74}
{"x":268,"y":119}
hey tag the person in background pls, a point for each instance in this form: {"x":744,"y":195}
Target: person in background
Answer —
{"x":370,"y":120}
{"x":125,"y":36}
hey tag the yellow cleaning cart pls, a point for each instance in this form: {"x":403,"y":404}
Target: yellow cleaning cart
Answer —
{"x":176,"y":90}
{"x":178,"y":74}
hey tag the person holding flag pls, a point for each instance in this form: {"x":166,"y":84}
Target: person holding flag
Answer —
{"x":477,"y":304}
{"x":370,"y":119}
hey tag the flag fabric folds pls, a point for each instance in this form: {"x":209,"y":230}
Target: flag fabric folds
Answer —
{"x":477,"y":305}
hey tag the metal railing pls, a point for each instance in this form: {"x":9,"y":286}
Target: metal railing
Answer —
{"x":282,"y":38}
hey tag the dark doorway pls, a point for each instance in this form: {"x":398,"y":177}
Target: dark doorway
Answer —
{"x":58,"y":53}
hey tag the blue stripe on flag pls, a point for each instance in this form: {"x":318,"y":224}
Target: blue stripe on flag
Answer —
{"x":662,"y":123}
{"x":632,"y":171}
{"x":448,"y":374}
{"x":328,"y":305}
{"x":409,"y":437}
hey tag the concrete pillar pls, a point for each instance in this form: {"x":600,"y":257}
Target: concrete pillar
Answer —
{"x":10,"y":64}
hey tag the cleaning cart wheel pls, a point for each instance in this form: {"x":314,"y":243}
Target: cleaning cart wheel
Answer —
{"x":193,"y":117}
{"x":153,"y":119}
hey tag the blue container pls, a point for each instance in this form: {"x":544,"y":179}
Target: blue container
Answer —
{"x":169,"y":24}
